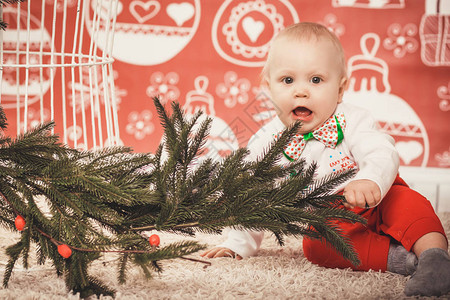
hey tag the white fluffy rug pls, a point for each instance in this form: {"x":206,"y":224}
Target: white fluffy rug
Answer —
{"x":276,"y":273}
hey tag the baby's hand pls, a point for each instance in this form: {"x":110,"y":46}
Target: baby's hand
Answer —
{"x":362,"y":193}
{"x":220,"y":252}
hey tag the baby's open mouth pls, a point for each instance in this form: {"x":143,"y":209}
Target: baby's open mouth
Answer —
{"x":301,"y":111}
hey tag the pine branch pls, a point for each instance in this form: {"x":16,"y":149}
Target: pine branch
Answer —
{"x":13,"y":252}
{"x":3,"y":123}
{"x":101,"y":201}
{"x":271,"y":156}
{"x":322,"y":187}
{"x":239,"y":200}
{"x":5,"y":2}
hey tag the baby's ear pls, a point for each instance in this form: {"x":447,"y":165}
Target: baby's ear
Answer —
{"x":265,"y":81}
{"x":264,"y":78}
{"x":342,"y":88}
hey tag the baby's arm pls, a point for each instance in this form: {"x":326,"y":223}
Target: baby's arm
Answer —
{"x":362,"y":193}
{"x":376,"y":156}
{"x":220,"y":252}
{"x":239,"y":244}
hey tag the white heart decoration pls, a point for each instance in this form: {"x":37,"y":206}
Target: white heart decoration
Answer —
{"x":409,"y":151}
{"x":119,"y":8}
{"x":147,"y":10}
{"x":252,"y":28}
{"x":180,"y":12}
{"x":103,"y":8}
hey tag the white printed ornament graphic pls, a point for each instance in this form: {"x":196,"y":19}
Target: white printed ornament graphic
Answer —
{"x":14,"y":81}
{"x":369,"y":88}
{"x":164,"y":86}
{"x":180,"y":12}
{"x":147,"y":32}
{"x":103,"y":9}
{"x":330,"y":21}
{"x":221,"y":140}
{"x":443,"y":93}
{"x":233,"y":90}
{"x":34,"y":118}
{"x":242,"y":30}
{"x":443,"y":158}
{"x":401,"y":39}
{"x":144,"y":11}
{"x":61,"y":5}
{"x":371,"y":4}
{"x":409,"y":150}
{"x":434,"y":33}
{"x":140,"y":124}
{"x":252,"y":28}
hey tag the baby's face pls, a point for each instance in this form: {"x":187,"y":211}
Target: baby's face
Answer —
{"x":306,"y":81}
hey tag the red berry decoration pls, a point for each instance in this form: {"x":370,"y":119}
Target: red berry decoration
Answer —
{"x":20,"y":223}
{"x":64,"y":251}
{"x":154,"y":240}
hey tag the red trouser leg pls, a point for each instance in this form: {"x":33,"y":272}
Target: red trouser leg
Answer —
{"x":403,"y":215}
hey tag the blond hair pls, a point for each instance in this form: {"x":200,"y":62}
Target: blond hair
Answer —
{"x":306,"y":31}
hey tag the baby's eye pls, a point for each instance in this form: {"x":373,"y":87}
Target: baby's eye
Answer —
{"x":316,"y":79}
{"x":288,"y":80}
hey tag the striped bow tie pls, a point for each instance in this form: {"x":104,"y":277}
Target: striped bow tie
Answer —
{"x":330,"y":134}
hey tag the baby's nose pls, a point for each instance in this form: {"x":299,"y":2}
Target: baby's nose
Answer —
{"x":301,"y":92}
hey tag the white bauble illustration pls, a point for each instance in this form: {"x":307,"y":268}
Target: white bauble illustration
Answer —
{"x":146,"y":32}
{"x":433,"y":31}
{"x":369,"y":88}
{"x":242,"y":29}
{"x":370,"y":4}
{"x":221,"y":140}
{"x":16,"y":88}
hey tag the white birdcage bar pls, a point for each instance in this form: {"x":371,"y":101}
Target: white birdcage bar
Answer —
{"x":55,"y":65}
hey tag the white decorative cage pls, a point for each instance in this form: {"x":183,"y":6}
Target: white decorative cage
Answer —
{"x":56,"y":64}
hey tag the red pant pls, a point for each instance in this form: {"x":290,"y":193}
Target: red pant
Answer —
{"x":403,"y":215}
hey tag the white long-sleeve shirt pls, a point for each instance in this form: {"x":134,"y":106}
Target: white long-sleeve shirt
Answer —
{"x":364,"y":148}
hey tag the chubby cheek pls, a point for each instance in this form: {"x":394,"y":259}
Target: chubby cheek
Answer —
{"x":287,"y":118}
{"x":279,"y":104}
{"x":283,"y":111}
{"x":280,"y":100}
{"x":287,"y":121}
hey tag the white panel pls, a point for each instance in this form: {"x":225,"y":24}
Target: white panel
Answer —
{"x":433,"y":183}
{"x":444,"y":198}
{"x":428,"y":190}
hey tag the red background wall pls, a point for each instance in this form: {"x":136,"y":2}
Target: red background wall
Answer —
{"x":209,"y":54}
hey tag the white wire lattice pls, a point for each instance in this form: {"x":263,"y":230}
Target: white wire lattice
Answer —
{"x":56,"y":64}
